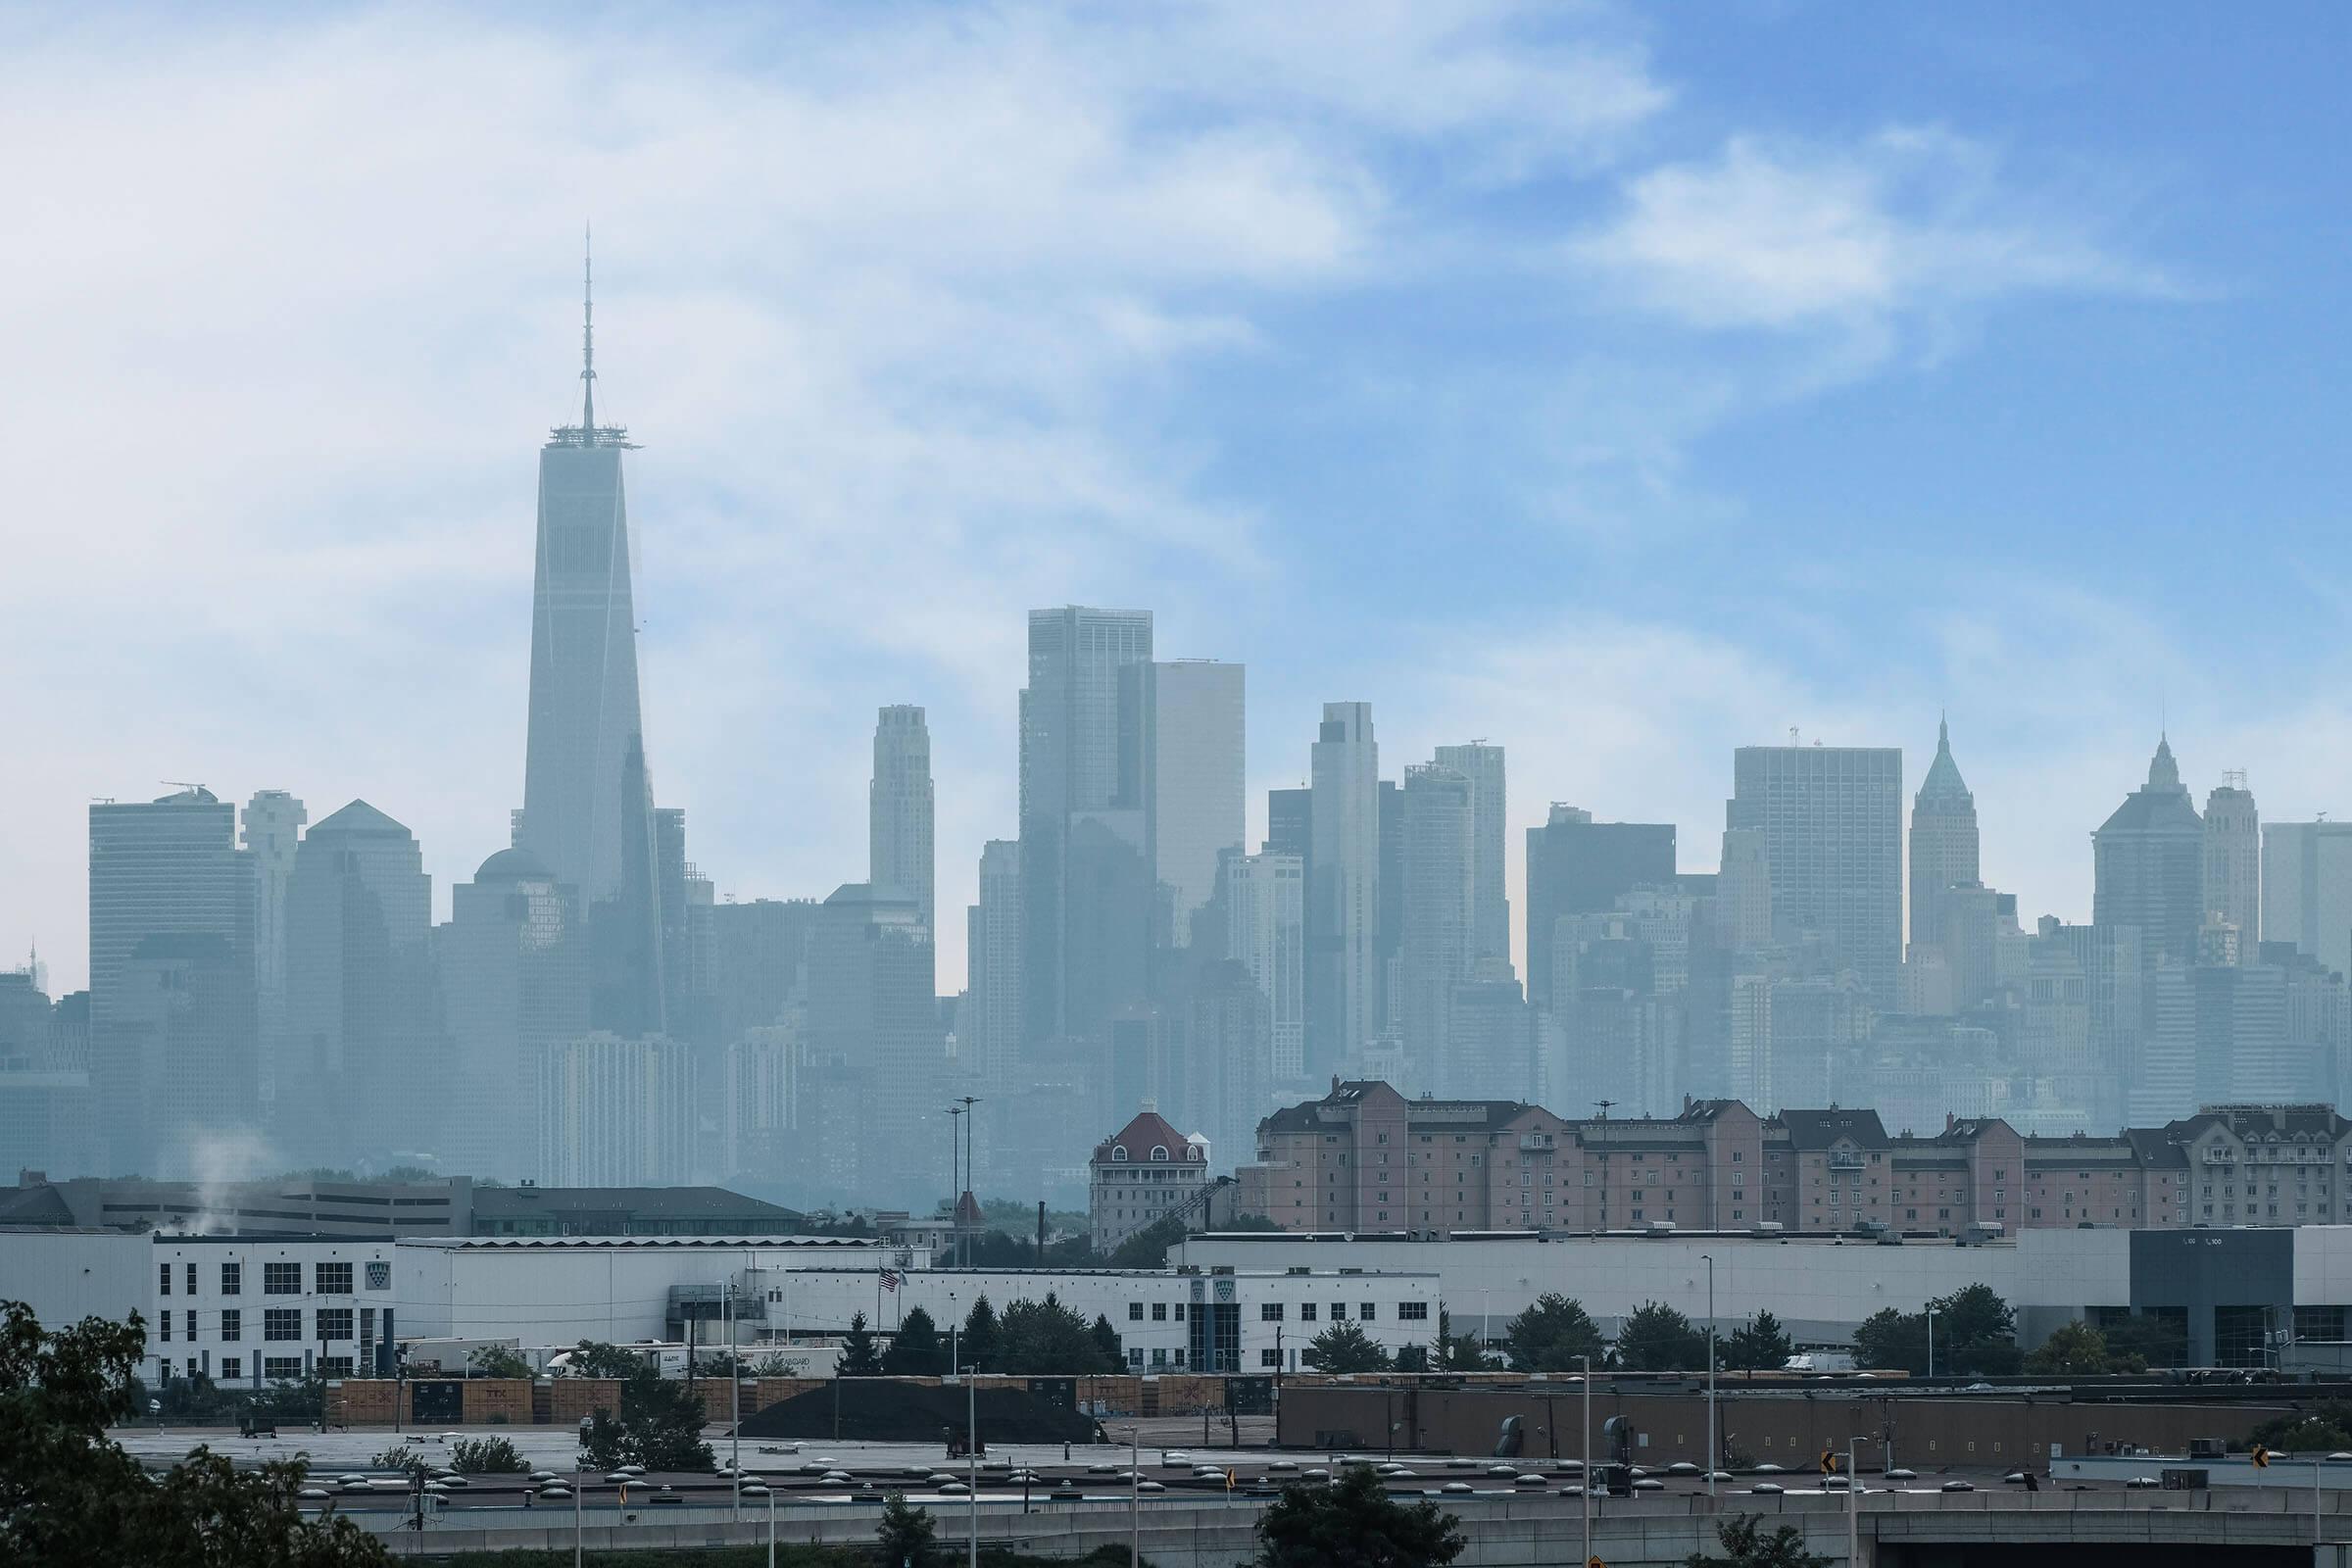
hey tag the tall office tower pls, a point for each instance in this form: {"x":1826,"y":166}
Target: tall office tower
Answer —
{"x":1181,"y":761}
{"x":762,"y":1107}
{"x":169,"y":867}
{"x":1441,"y":916}
{"x":2307,"y":889}
{"x":1290,"y":822}
{"x":1387,"y":919}
{"x":1489,"y":1049}
{"x":1833,"y":825}
{"x":273,"y":825}
{"x":1943,"y":840}
{"x":1229,"y":1027}
{"x":188,"y":1004}
{"x":512,"y":970}
{"x":1344,"y":880}
{"x":1266,"y":931}
{"x":899,"y":851}
{"x":2117,"y":994}
{"x":1070,"y":766}
{"x":1482,"y":765}
{"x":1576,"y":866}
{"x":873,"y":1020}
{"x":2149,"y":866}
{"x":1743,"y":891}
{"x":2232,"y":876}
{"x":993,"y":961}
{"x":617,"y":1112}
{"x":587,"y":800}
{"x":760,"y":955}
{"x":688,"y":959}
{"x":359,"y":912}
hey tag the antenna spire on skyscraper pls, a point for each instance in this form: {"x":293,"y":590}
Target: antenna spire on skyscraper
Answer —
{"x":588,"y":332}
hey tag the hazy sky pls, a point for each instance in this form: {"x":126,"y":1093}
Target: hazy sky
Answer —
{"x":1620,"y":385}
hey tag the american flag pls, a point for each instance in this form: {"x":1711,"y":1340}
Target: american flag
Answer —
{"x":890,"y":1279}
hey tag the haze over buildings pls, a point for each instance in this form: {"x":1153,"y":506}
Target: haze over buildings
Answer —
{"x":844,"y":795}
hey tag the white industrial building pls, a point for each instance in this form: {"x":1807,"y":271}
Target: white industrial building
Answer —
{"x":251,"y":1310}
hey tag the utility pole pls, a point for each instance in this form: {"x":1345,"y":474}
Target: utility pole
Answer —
{"x":971,"y":1454}
{"x":726,"y":1305}
{"x":1585,"y":1499}
{"x":1708,"y":1259}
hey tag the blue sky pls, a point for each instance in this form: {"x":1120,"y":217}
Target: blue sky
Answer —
{"x":1617,"y":384}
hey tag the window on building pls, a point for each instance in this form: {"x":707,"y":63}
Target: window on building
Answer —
{"x":1160,"y":1311}
{"x":334,"y":1323}
{"x":166,"y":1318}
{"x":233,"y":1367}
{"x":335,"y":1366}
{"x":1363,"y":1310}
{"x":282,"y":1279}
{"x":332,"y":1279}
{"x":1179,"y":1311}
{"x":1306,"y":1311}
{"x":1339,"y":1311}
{"x":1410,"y":1312}
{"x":1269,"y":1358}
{"x":282,"y":1323}
{"x":281,"y":1368}
{"x":1135,"y":1312}
{"x":232,"y":1278}
{"x":164,"y":1279}
{"x":1269,"y":1311}
{"x":232,"y":1325}
{"x":191,"y":1280}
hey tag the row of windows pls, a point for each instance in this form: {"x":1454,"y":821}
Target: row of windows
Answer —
{"x":277,"y":1279}
{"x":278,"y":1323}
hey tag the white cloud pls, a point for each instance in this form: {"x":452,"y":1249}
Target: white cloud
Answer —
{"x":1777,"y":235}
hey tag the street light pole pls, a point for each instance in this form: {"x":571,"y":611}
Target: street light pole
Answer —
{"x":1584,"y":1491}
{"x":1931,"y":1343}
{"x":971,"y":1454}
{"x":1853,"y":1504}
{"x":1709,"y":1260}
{"x":727,"y":1314}
{"x":1135,"y":1497}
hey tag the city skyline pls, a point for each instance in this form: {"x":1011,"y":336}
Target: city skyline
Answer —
{"x":1687,"y":362}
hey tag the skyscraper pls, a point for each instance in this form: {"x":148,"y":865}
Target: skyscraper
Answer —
{"x":2149,"y":866}
{"x":511,"y":970}
{"x":587,"y":800}
{"x":167,"y":868}
{"x":1182,"y":763}
{"x":898,"y":852}
{"x":1266,"y":931}
{"x":1491,"y":915}
{"x":994,"y":963}
{"x":1943,"y":840}
{"x":1833,"y":825}
{"x":1576,"y":866}
{"x":2233,"y":875}
{"x":873,"y":1021}
{"x":273,"y":825}
{"x":1441,"y":889}
{"x":2307,"y":889}
{"x":1344,"y":876}
{"x":358,"y":910}
{"x":1070,"y":766}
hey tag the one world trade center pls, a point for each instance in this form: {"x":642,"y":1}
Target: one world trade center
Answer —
{"x":587,"y":800}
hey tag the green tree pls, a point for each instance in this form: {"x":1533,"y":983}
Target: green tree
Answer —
{"x":1656,"y":1338}
{"x":1893,"y":1340}
{"x":1106,"y":1339}
{"x":70,"y":1495}
{"x":858,"y":1357}
{"x":1354,"y":1523}
{"x":2153,"y":1340}
{"x":1344,"y":1348}
{"x":2075,"y":1349}
{"x":1746,"y":1545}
{"x":1463,"y":1355}
{"x":1149,"y":1247}
{"x":981,"y":1334}
{"x":2325,"y":1428}
{"x":403,"y":1458}
{"x":486,"y":1457}
{"x":1412,"y":1358}
{"x":904,"y":1539}
{"x":659,"y":1426}
{"x":1760,"y":1345}
{"x":916,"y":1351}
{"x":1045,"y":1339}
{"x":1551,"y":1335}
{"x":499,"y":1361}
{"x":595,"y":1359}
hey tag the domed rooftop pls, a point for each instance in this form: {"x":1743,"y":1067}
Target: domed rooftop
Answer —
{"x":513,"y":865}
